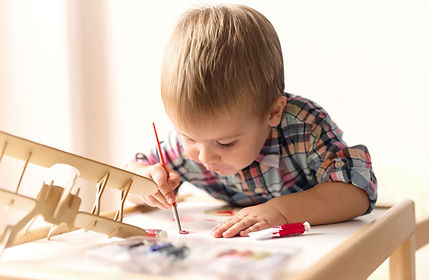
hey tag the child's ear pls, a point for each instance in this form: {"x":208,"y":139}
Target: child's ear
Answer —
{"x":276,"y":111}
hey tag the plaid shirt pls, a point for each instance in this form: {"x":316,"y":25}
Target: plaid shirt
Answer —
{"x":305,"y":149}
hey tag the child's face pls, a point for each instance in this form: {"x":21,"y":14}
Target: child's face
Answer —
{"x":226,"y":145}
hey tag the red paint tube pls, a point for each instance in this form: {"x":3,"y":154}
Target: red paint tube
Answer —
{"x":280,"y":231}
{"x":157,"y":234}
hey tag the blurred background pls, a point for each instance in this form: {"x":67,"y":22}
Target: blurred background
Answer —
{"x":83,"y":76}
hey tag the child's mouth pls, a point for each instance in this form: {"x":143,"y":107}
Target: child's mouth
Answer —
{"x":217,"y":169}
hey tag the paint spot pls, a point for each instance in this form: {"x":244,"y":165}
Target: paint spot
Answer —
{"x":226,"y":213}
{"x":247,"y":253}
{"x":226,"y":253}
{"x":210,"y":220}
{"x":184,"y":232}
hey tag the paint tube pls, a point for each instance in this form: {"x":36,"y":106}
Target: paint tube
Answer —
{"x":156,"y":234}
{"x":280,"y":231}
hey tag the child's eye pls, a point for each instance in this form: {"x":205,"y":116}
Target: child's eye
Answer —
{"x":227,"y":145}
{"x":188,"y":140}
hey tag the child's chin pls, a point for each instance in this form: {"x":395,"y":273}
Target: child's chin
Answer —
{"x":226,"y":172}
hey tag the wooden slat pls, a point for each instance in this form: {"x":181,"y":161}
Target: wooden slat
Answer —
{"x":384,"y":205}
{"x":422,"y":233}
{"x":402,"y":261}
{"x":107,"y":226}
{"x":17,"y":201}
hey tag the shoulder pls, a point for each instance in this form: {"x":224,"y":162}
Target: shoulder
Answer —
{"x":304,"y":116}
{"x":299,"y":109}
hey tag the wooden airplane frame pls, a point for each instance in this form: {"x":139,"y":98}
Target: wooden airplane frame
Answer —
{"x":58,"y":205}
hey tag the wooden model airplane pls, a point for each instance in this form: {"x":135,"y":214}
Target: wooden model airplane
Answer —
{"x":57,"y":204}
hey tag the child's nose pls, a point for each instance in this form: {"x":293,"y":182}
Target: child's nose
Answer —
{"x":207,"y":155}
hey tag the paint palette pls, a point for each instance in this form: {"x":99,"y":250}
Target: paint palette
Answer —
{"x":144,"y":255}
{"x":139,"y":254}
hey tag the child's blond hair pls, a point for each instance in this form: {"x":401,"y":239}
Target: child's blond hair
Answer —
{"x":219,"y":60}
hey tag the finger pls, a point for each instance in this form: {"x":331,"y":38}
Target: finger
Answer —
{"x":229,"y":222}
{"x":236,"y":228}
{"x":154,"y":202}
{"x":218,"y":226}
{"x":161,"y":199}
{"x":174,"y":182}
{"x":224,"y":226}
{"x":256,"y":227}
{"x":136,"y":199}
{"x":167,"y":187}
{"x":146,"y":200}
{"x":173,"y":176}
{"x":170,"y":197}
{"x":160,"y":177}
{"x":218,"y":230}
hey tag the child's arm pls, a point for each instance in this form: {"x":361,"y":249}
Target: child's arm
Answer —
{"x":325,"y":203}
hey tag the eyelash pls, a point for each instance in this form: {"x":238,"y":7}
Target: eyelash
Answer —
{"x":187,"y":139}
{"x":226,"y":146}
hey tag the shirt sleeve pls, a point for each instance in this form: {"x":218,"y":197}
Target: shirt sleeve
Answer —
{"x":333,"y":161}
{"x":172,"y":152}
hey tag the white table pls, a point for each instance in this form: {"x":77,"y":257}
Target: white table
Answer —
{"x":63,"y":256}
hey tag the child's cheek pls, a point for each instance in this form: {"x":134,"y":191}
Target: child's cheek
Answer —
{"x":191,"y":153}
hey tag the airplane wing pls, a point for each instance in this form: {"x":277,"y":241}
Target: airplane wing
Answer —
{"x":107,"y":226}
{"x":89,"y":169}
{"x":17,"y":201}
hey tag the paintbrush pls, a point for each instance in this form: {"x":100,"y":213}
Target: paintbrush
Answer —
{"x":174,"y":205}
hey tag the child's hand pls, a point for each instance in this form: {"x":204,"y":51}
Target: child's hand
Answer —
{"x":164,"y":197}
{"x":249,"y":219}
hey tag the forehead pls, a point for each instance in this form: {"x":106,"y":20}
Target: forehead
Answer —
{"x":224,"y":126}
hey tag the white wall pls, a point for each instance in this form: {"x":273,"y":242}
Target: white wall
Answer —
{"x":33,"y":71}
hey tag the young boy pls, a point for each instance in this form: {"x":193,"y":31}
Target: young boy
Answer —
{"x":239,"y":137}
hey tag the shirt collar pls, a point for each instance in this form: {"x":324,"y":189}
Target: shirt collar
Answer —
{"x":271,"y":152}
